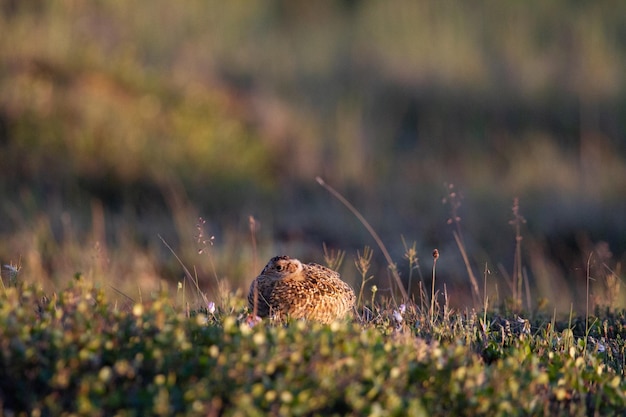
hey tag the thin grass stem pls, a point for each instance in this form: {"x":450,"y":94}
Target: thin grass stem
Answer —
{"x":374,"y":235}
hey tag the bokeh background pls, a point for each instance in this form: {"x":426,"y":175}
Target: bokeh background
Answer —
{"x":122,"y":123}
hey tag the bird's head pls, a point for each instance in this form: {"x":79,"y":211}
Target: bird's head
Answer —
{"x":281,"y":267}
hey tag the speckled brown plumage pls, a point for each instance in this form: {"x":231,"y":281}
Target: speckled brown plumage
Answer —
{"x":287,"y":287}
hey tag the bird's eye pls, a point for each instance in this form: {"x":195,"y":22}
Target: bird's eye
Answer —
{"x":279,"y":268}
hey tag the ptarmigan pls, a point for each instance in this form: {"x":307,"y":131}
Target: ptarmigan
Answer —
{"x":288,"y":288}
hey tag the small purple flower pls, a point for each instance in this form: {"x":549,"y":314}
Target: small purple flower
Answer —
{"x":211,"y":307}
{"x":252,"y":320}
{"x":397,"y":316}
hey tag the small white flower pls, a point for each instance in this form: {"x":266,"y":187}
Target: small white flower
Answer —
{"x":211,"y":307}
{"x":525,"y":325}
{"x":397,"y":316}
{"x":12,"y":271}
{"x":601,"y":347}
{"x":402,"y":308}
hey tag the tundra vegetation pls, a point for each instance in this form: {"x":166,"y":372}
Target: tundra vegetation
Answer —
{"x":153,"y":156}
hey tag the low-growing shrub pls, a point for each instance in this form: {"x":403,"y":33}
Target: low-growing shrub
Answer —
{"x":79,"y":352}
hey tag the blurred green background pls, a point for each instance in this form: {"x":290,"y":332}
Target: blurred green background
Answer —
{"x":124,"y":121}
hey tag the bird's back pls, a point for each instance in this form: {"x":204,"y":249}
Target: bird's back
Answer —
{"x":316,"y":293}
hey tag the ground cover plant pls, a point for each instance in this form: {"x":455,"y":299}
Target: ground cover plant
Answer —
{"x":83,"y":350}
{"x":87,"y":348}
